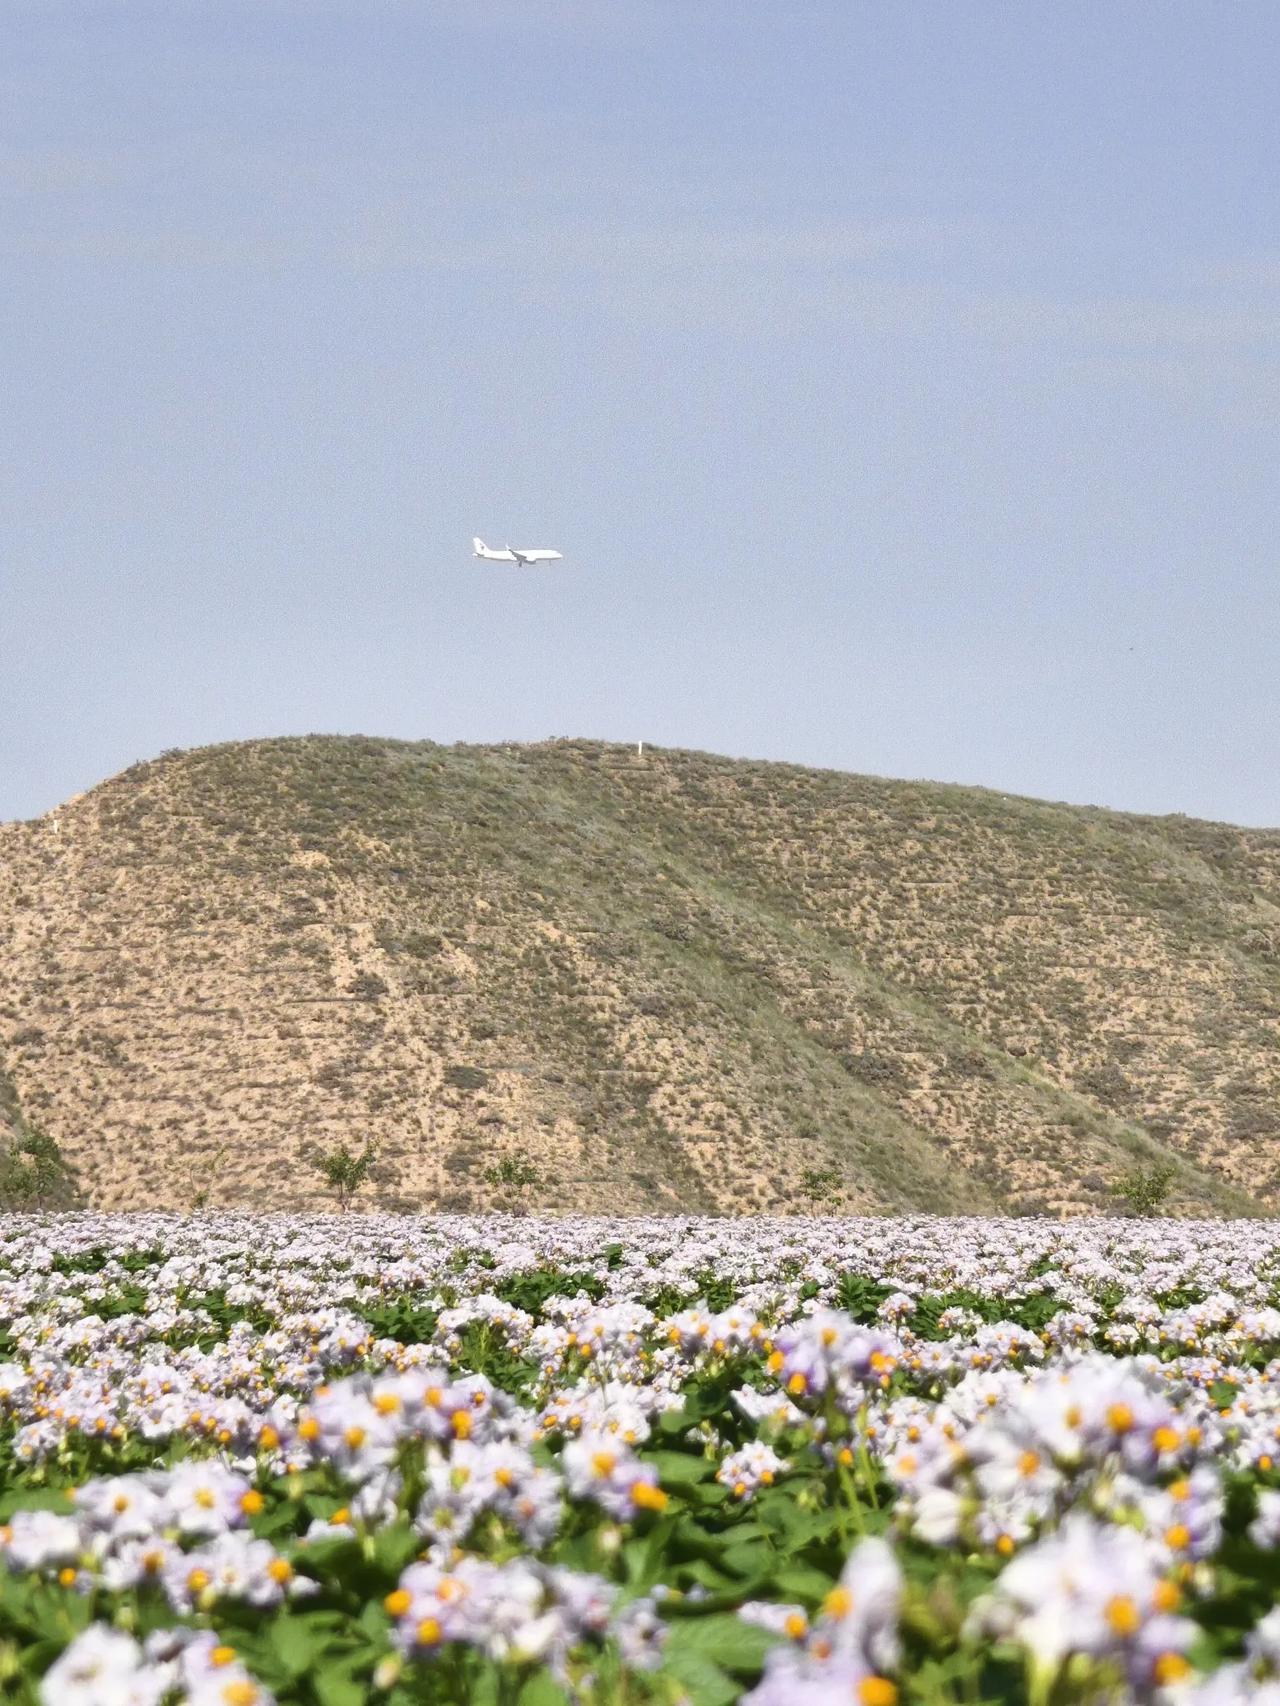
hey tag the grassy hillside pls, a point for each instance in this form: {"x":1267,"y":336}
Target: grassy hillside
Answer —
{"x":676,"y":981}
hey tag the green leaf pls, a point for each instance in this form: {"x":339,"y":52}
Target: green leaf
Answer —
{"x":705,"y":1494}
{"x":801,"y":1582}
{"x":540,"y":1690}
{"x":35,"y":1499}
{"x":676,"y":1421}
{"x":336,"y":1685}
{"x":299,"y":1641}
{"x":749,"y":1558}
{"x":679,"y":1468}
{"x":643,"y":1555}
{"x":724,"y":1639}
{"x":373,"y":1622}
{"x":394,"y":1548}
{"x":706,"y":1682}
{"x":700,"y":1573}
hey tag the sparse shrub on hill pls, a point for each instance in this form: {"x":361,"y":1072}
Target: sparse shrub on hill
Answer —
{"x":512,"y":1176}
{"x":344,"y":1172}
{"x":33,"y":1173}
{"x":1144,"y":1190}
{"x":202,"y":1176}
{"x":821,"y":1186}
{"x":465,"y":1077}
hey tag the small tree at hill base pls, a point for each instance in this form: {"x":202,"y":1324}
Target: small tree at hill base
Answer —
{"x":1144,"y":1190}
{"x":33,"y":1173}
{"x":821,"y":1184}
{"x":200,"y":1175}
{"x":343,"y":1172}
{"x":511,"y":1174}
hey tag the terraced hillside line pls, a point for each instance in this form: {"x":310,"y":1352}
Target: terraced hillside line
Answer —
{"x":676,"y":982}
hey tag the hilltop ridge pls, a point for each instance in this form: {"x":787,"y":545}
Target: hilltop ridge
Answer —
{"x":673,"y":981}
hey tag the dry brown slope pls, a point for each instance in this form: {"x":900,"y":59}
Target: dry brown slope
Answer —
{"x":679,"y":980}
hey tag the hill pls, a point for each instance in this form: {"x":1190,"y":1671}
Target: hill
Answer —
{"x":673,"y":981}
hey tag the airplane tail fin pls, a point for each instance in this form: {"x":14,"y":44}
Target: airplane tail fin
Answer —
{"x":477,"y":547}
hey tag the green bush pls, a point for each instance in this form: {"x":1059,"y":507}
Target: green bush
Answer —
{"x":344,"y":1172}
{"x":33,"y":1173}
{"x":1144,"y":1190}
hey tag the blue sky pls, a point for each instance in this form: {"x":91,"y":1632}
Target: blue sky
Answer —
{"x":902,"y":383}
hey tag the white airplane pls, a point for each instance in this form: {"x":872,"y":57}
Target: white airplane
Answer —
{"x":511,"y":555}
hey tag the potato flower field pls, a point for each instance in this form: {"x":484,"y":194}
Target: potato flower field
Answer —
{"x":526,"y":1462}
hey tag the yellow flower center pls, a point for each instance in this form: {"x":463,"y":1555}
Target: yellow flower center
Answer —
{"x":1122,"y":1615}
{"x":1165,"y":1596}
{"x":1170,"y":1667}
{"x":838,"y":1603}
{"x":649,"y":1498}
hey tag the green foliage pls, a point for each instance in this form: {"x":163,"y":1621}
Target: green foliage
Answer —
{"x":345,"y":1172}
{"x":821,"y":1185}
{"x":1144,"y":1189}
{"x":402,"y":1318}
{"x":512,"y":1172}
{"x":529,"y":1291}
{"x":33,"y":1173}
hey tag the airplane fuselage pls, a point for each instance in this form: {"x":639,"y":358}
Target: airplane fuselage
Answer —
{"x":511,"y":554}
